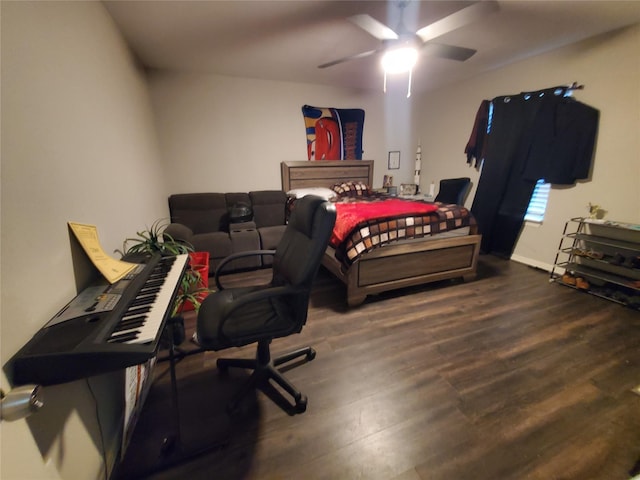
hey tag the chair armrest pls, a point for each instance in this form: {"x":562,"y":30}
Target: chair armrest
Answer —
{"x":257,"y":296}
{"x":235,"y":256}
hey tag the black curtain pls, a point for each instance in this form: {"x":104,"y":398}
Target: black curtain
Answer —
{"x":529,"y":136}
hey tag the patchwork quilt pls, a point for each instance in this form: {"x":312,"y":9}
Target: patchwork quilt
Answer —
{"x":374,"y":232}
{"x":367,"y":219}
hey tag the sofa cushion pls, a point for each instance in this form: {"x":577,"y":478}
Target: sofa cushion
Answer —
{"x":202,"y":219}
{"x":218,"y":244}
{"x":269,"y":239}
{"x":201,"y":212}
{"x":269,"y":207}
{"x":237,"y":197}
{"x":270,"y":236}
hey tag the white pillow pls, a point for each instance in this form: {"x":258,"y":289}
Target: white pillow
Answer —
{"x":325,"y":193}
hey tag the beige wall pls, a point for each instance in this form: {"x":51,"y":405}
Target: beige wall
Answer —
{"x":609,"y":67}
{"x":80,"y":144}
{"x":235,"y":132}
{"x":84,"y":138}
{"x":77,"y":144}
{"x":223,"y":134}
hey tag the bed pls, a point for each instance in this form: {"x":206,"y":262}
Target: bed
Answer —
{"x":445,"y":253}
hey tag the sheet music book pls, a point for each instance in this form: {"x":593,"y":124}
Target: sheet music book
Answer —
{"x":111,"y":268}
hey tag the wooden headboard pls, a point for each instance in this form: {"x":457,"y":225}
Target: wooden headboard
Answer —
{"x":324,"y":173}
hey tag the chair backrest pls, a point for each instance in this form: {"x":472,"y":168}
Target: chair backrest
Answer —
{"x":280,"y":308}
{"x":299,"y":252}
{"x":453,"y":190}
{"x":269,"y":207}
{"x":298,"y":257}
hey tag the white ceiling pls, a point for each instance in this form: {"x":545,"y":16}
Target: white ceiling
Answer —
{"x":288,"y":39}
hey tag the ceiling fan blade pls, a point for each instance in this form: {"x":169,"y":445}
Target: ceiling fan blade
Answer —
{"x":457,"y":20}
{"x":450,"y":52}
{"x":346,"y":59}
{"x":373,"y":27}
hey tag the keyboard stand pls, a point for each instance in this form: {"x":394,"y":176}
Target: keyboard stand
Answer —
{"x":173,"y":451}
{"x":170,"y":442}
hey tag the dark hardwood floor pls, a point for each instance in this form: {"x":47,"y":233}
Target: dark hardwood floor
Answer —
{"x":505,"y":377}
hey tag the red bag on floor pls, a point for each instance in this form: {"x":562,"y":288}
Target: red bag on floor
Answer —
{"x":198,"y":262}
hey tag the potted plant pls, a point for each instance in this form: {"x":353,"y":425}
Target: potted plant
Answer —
{"x":154,"y":240}
{"x":194,"y":283}
{"x":192,"y":291}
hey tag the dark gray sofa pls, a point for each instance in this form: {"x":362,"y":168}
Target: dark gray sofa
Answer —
{"x":203,"y":220}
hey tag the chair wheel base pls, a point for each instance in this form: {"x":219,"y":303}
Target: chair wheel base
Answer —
{"x":301,"y":404}
{"x":265,"y":371}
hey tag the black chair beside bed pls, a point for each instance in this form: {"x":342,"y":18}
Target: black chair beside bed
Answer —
{"x":453,"y":190}
{"x":233,"y":317}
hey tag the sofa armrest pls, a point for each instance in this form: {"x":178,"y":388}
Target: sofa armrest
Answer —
{"x":179,"y":233}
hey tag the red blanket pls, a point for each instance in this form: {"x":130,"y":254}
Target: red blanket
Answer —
{"x":351,"y":214}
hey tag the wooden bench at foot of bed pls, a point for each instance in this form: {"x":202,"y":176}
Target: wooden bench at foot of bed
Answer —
{"x":407,"y":264}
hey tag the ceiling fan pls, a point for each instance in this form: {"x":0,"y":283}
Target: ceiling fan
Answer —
{"x":420,"y":41}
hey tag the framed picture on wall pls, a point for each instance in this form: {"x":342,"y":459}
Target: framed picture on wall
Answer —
{"x":394,"y":160}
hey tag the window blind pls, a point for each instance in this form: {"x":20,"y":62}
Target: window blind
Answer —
{"x":538,"y":203}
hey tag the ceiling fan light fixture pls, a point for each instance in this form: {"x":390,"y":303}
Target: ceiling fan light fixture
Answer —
{"x":399,"y":60}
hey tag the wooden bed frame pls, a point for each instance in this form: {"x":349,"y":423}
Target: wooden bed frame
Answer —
{"x":392,"y":266}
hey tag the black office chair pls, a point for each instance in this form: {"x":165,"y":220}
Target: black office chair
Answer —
{"x":453,"y":190}
{"x":233,"y":317}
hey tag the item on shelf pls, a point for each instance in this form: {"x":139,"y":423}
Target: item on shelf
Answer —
{"x":596,"y":211}
{"x":618,"y":259}
{"x":601,"y":258}
{"x":619,"y":296}
{"x":588,"y":253}
{"x":582,"y":284}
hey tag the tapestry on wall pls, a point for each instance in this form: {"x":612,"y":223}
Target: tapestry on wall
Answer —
{"x":333,"y":133}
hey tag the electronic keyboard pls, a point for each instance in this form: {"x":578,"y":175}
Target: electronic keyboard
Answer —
{"x":105,"y":327}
